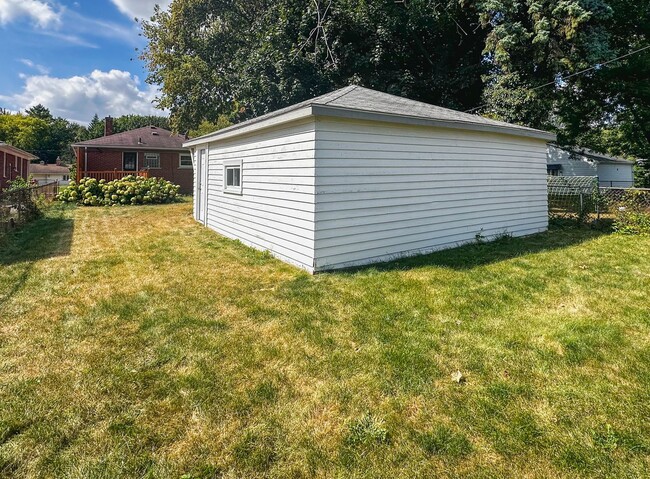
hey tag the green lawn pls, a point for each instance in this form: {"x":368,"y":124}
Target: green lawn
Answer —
{"x":136,"y":343}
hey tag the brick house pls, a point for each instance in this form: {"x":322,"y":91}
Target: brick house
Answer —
{"x":148,"y":151}
{"x":14,"y":163}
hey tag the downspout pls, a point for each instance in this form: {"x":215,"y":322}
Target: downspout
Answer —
{"x":85,"y":158}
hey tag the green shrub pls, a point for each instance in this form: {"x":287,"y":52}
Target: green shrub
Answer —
{"x":633,"y":215}
{"x":130,"y":190}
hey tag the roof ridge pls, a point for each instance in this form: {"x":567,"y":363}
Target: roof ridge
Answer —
{"x":341,"y":93}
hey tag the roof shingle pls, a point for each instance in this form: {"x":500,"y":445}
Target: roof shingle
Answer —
{"x":150,"y":137}
{"x":364,"y":100}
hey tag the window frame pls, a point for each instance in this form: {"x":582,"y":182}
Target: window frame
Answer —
{"x":124,"y":153}
{"x":554,"y":169}
{"x":181,"y":166}
{"x":231,"y":165}
{"x":145,"y":160}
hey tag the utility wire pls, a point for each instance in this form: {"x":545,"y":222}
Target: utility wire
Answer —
{"x":597,"y":66}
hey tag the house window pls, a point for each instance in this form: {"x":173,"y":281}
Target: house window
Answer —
{"x":554,"y":170}
{"x":152,"y":160}
{"x":232,"y":176}
{"x":129,"y":161}
{"x":185,"y":161}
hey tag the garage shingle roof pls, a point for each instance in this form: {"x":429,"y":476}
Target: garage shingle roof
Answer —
{"x":49,"y":169}
{"x":361,"y":102}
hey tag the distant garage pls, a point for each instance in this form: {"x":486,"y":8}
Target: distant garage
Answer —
{"x":612,"y":172}
{"x":359,"y":176}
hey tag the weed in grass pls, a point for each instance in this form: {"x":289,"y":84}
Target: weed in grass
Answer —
{"x":608,"y":440}
{"x":444,"y":441}
{"x":367,"y":431}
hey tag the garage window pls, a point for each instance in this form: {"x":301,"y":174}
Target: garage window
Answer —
{"x":232,"y":176}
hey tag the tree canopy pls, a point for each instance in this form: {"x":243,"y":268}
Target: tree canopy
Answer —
{"x":522,"y":61}
{"x":39,"y":132}
{"x":245,"y":58}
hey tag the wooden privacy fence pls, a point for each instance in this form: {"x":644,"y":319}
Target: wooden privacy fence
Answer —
{"x":113,"y":174}
{"x":17,"y":207}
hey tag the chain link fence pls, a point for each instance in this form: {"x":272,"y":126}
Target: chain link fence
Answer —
{"x":20,"y":206}
{"x":580,"y":198}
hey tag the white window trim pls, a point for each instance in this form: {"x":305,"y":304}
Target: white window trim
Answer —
{"x":235,"y":190}
{"x":185,"y":167}
{"x":145,"y":160}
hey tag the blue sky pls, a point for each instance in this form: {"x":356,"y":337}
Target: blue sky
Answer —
{"x":75,"y":57}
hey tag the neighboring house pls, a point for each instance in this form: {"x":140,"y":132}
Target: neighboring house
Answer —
{"x":358,"y":176}
{"x":15,"y":164}
{"x":44,"y":174}
{"x":611,"y":171}
{"x":148,"y":151}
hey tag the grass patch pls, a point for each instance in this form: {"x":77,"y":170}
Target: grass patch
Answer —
{"x":443,"y":441}
{"x":136,"y":343}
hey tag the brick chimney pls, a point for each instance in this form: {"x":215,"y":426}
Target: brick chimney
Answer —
{"x":58,"y":161}
{"x":108,"y":126}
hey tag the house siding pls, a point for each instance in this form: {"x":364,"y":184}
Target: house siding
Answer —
{"x":104,"y":159}
{"x":387,"y":190}
{"x":571,"y":165}
{"x":619,"y":175}
{"x":616,"y":176}
{"x":275,"y":211}
{"x":13,"y":167}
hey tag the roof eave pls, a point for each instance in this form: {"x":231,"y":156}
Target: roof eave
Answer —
{"x":339,"y":112}
{"x":237,"y":130}
{"x":129,"y":147}
{"x":18,"y":152}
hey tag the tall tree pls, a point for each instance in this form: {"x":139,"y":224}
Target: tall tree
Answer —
{"x":243,"y":58}
{"x":131,"y":122}
{"x":549,"y":68}
{"x":95,"y":128}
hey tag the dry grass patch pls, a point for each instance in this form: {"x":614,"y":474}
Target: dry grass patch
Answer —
{"x":136,"y":343}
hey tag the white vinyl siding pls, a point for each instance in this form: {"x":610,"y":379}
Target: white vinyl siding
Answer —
{"x":275,"y":208}
{"x":616,"y":175}
{"x":571,"y":165}
{"x":386,"y":190}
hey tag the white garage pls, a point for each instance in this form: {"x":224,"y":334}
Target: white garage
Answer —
{"x":359,"y":176}
{"x":612,"y":172}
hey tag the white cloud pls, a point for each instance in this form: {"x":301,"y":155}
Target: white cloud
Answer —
{"x":43,"y":70}
{"x":42,"y":13}
{"x":142,"y":9}
{"x":95,"y":27}
{"x":78,"y":98}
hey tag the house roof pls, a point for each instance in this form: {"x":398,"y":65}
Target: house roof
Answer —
{"x":148,"y":137}
{"x":365,"y":104}
{"x":49,"y":169}
{"x":16,"y":151}
{"x":598,"y":157}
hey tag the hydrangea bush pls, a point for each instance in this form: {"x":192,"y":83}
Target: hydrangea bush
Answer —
{"x":130,"y":190}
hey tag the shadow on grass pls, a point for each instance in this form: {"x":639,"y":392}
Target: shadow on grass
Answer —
{"x":479,"y":254}
{"x":47,"y":237}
